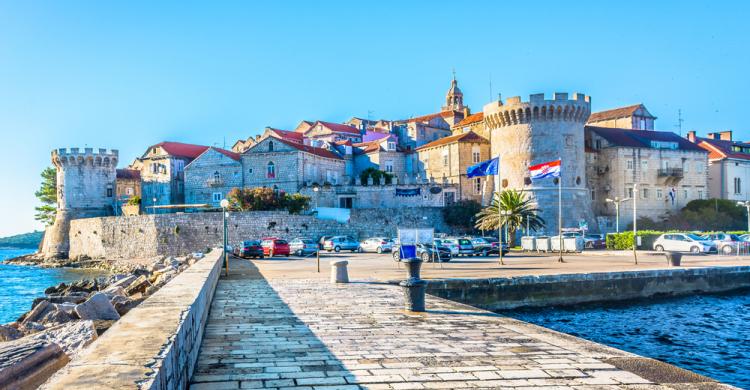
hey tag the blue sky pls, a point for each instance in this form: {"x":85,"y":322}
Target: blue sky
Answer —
{"x":130,"y":74}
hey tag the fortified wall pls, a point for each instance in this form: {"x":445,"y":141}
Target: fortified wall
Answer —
{"x":150,"y":235}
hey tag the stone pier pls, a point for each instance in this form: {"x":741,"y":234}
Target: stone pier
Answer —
{"x":307,"y":334}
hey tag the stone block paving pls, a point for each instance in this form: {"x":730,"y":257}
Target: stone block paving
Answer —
{"x":305,"y":334}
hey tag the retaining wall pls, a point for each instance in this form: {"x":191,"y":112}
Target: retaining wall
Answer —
{"x":155,"y":345}
{"x":145,"y":236}
{"x":548,"y":290}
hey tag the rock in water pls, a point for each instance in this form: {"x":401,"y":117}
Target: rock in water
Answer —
{"x":97,"y":307}
{"x":26,"y":363}
{"x":71,"y":337}
{"x":8,"y":333}
{"x":38,"y":312}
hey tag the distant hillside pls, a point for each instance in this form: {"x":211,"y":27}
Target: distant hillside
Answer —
{"x":26,"y":240}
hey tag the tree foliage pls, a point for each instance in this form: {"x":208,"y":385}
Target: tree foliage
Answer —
{"x":377,"y":176}
{"x":47,"y":194}
{"x":461,"y":215}
{"x":518,"y":207}
{"x":266,"y":199}
{"x":700,"y":214}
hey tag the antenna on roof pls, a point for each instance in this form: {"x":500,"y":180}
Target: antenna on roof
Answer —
{"x":454,"y":73}
{"x":225,"y":143}
{"x":679,"y":122}
{"x":491,"y":86}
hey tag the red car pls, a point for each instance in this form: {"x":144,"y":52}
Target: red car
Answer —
{"x":273,"y":246}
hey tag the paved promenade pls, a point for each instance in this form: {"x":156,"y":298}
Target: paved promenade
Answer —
{"x":269,"y":332}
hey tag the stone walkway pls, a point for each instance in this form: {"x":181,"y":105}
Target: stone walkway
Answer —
{"x":307,"y":334}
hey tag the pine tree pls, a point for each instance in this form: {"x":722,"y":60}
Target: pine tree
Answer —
{"x":47,"y":194}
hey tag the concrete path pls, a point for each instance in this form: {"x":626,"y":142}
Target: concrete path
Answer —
{"x":309,"y":334}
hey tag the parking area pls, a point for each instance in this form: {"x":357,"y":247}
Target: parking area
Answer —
{"x":382,"y":267}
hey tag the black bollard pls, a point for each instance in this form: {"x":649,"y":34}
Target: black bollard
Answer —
{"x":414,"y":287}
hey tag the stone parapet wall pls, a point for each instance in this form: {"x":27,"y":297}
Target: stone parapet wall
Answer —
{"x":150,"y":235}
{"x":154,"y":346}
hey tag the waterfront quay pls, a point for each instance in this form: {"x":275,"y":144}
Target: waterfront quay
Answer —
{"x":269,"y":328}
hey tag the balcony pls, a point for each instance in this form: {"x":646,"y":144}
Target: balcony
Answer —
{"x":215,"y":182}
{"x":670,"y":172}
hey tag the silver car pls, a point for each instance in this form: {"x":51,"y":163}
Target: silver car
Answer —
{"x":303,"y":246}
{"x":339,"y":243}
{"x":376,"y":244}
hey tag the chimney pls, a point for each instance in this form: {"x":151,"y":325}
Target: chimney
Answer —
{"x":712,"y":136}
{"x":725,"y":135}
{"x":691,"y":136}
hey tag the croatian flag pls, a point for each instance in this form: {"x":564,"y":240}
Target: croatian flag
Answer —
{"x":548,"y":169}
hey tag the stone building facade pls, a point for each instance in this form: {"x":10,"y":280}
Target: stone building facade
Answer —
{"x":127,"y":186}
{"x":210,"y":177}
{"x":728,"y":165}
{"x":669,"y":171}
{"x":447,"y":160}
{"x":163,"y":173}
{"x":635,"y":117}
{"x":85,"y":188}
{"x":408,"y":193}
{"x":537,"y":131}
{"x":383,"y":154}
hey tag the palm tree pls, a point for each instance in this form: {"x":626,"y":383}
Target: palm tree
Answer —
{"x":519,"y":209}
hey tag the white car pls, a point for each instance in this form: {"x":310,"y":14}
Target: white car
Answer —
{"x":681,"y":242}
{"x":376,"y":244}
{"x":450,"y":243}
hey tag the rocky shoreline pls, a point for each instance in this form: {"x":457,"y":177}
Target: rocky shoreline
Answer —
{"x":71,"y":316}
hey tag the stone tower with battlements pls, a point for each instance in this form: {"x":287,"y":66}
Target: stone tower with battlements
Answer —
{"x":85,"y":189}
{"x":538,"y":131}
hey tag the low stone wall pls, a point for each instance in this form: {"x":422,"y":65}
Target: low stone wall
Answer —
{"x":155,"y":345}
{"x":548,"y":290}
{"x":179,"y":234}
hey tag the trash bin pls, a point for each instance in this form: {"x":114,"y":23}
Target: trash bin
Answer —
{"x":555,"y":243}
{"x":542,"y":244}
{"x":674,"y":258}
{"x":573,"y":244}
{"x":528,"y":243}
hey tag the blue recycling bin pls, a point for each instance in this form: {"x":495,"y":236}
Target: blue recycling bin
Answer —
{"x":408,"y":251}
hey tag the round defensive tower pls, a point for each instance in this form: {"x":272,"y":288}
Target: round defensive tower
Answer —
{"x":85,"y":188}
{"x":537,"y":131}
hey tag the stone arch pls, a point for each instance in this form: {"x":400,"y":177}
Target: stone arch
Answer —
{"x":507,"y":118}
{"x":543,"y":114}
{"x":519,"y":115}
{"x":106,"y":161}
{"x":536,"y":112}
{"x":98,"y":161}
{"x":566,"y":113}
{"x":558,"y":114}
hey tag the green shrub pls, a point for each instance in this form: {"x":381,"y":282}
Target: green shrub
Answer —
{"x":266,"y":199}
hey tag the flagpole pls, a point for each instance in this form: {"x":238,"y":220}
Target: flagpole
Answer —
{"x":499,"y":213}
{"x":559,"y":212}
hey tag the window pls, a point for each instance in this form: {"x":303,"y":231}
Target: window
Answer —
{"x":593,"y":195}
{"x":391,"y":146}
{"x":629,"y":192}
{"x":250,"y":171}
{"x":389,"y":166}
{"x":179,"y":165}
{"x":630,"y":164}
{"x":644,"y":193}
{"x":698,"y":167}
{"x":700,"y":194}
{"x":686,"y":167}
{"x":129,"y":191}
{"x":475,"y":156}
{"x":685,"y":194}
{"x":109,"y":192}
{"x":216,"y":197}
{"x":477,"y":186}
{"x":445,"y":159}
{"x":659,"y":193}
{"x":270,"y":170}
{"x":270,"y":146}
{"x":737,"y":185}
{"x":217,"y":176}
{"x":644,"y":165}
{"x":598,"y":144}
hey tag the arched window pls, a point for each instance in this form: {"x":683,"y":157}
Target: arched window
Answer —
{"x":270,"y":170}
{"x":270,"y":146}
{"x":217,"y":176}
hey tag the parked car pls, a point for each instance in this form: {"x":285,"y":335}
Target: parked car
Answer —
{"x":303,"y":246}
{"x":481,"y":246}
{"x":250,"y":248}
{"x":727,"y":243}
{"x":273,"y":246}
{"x":594,"y":241}
{"x":376,"y":244}
{"x":323,"y":240}
{"x":494,"y":248}
{"x":451,"y":244}
{"x":745,"y":237}
{"x":427,"y":253}
{"x":339,"y":243}
{"x":465,"y":247}
{"x":682,"y":242}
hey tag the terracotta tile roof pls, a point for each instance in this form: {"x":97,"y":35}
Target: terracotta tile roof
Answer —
{"x":426,"y":118}
{"x":473,"y":118}
{"x":179,"y":149}
{"x":720,"y":149}
{"x":310,"y":149}
{"x":346,"y":142}
{"x":339,"y":128}
{"x":131,"y":174}
{"x":303,"y":126}
{"x":641,"y":138}
{"x":289,"y":135}
{"x":469,"y":136}
{"x":614,"y":113}
{"x":234,"y":156}
{"x":373,"y":146}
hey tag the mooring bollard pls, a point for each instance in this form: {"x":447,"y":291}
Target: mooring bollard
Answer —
{"x":339,"y":272}
{"x":414,"y":287}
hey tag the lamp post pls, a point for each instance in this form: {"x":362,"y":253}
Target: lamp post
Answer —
{"x":616,"y":201}
{"x":746,"y":205}
{"x":315,"y":190}
{"x":502,"y":224}
{"x":224,"y":213}
{"x":635,"y":222}
{"x":153,"y":205}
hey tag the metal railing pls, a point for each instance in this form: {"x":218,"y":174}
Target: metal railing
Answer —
{"x":670,"y":172}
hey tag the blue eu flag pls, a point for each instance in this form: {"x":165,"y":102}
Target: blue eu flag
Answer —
{"x":484,"y":168}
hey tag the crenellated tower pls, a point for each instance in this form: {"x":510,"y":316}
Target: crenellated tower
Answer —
{"x":537,"y":131}
{"x":85,"y":189}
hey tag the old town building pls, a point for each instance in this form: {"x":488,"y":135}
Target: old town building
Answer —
{"x":728,"y":165}
{"x":330,"y":132}
{"x":211,"y":175}
{"x":635,"y":117}
{"x":447,"y":159}
{"x":669,"y":172}
{"x":127,"y":186}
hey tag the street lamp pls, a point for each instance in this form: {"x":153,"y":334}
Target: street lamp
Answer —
{"x":503,"y":218}
{"x":315,"y":190}
{"x":153,"y":205}
{"x":617,"y":202}
{"x":746,"y":205}
{"x":635,"y":222}
{"x":224,"y":213}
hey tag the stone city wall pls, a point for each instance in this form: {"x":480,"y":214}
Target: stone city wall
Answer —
{"x":155,"y":346}
{"x":150,"y":235}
